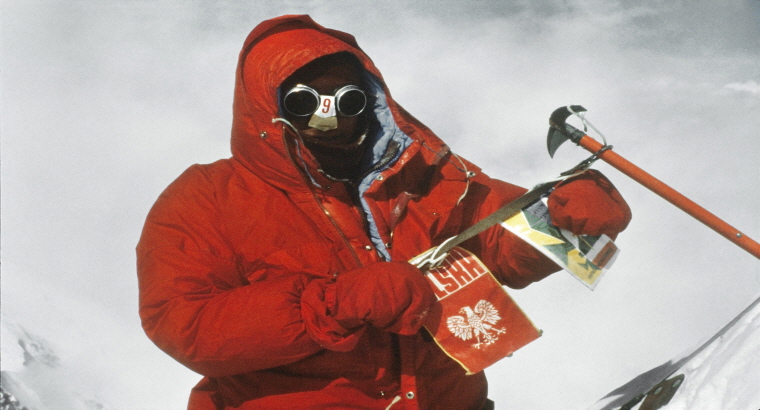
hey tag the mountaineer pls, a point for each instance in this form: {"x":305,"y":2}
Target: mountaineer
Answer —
{"x":281,"y":275}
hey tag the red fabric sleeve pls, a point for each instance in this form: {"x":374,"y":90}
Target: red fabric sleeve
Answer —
{"x":196,"y":304}
{"x":513,"y":261}
{"x":192,"y":311}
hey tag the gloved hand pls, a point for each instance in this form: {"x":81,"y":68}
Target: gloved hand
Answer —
{"x":589,"y":205}
{"x":393,"y":296}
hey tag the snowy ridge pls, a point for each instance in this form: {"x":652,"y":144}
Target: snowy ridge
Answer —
{"x":8,"y":402}
{"x":721,"y":374}
{"x":34,"y":377}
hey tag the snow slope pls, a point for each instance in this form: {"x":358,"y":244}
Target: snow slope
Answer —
{"x":721,"y":374}
{"x":33,"y":373}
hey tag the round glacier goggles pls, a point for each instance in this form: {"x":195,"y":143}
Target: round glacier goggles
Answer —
{"x":303,"y":101}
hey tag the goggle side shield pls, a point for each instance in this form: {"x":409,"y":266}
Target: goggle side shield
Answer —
{"x":303,"y":101}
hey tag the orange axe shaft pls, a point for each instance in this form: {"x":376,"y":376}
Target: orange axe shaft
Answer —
{"x":561,"y":132}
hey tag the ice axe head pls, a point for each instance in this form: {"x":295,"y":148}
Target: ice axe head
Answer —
{"x":559,"y":131}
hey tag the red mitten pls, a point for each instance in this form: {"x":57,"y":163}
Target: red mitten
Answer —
{"x":393,"y":296}
{"x":589,"y":205}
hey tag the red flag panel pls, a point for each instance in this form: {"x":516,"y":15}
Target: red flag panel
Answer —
{"x":475,"y":321}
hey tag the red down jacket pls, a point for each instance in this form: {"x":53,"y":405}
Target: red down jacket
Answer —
{"x":229,"y":247}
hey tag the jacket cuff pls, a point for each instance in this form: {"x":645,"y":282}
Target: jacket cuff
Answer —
{"x":317,"y":303}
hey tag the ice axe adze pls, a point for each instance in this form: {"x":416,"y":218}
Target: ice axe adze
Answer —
{"x":560,"y":131}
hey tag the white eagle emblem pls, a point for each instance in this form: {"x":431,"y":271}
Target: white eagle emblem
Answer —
{"x":479,"y":322}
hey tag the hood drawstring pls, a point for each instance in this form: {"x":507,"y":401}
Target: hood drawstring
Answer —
{"x":394,"y":401}
{"x":298,"y":148}
{"x":467,"y":175}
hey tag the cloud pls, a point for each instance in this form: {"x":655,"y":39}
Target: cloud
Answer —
{"x":751,"y":86}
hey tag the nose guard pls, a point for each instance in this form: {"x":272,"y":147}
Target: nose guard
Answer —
{"x":324,"y":119}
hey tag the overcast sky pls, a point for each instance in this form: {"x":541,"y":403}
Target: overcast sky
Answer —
{"x":104,"y":103}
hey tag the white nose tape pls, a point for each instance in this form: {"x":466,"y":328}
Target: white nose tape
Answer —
{"x":326,"y":106}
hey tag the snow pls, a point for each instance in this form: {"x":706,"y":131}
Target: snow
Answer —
{"x":35,"y":376}
{"x":725,"y":374}
{"x":82,"y":359}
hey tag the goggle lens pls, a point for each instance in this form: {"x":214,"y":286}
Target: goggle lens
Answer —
{"x":303,"y":101}
{"x":350,"y":101}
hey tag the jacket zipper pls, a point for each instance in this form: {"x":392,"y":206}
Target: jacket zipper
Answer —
{"x":319,"y":202}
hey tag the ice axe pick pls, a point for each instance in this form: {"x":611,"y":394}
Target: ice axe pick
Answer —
{"x":560,"y":131}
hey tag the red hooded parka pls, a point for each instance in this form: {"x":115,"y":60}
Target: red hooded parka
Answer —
{"x":231,"y":250}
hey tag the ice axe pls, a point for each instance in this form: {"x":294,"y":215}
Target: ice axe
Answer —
{"x":560,"y":131}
